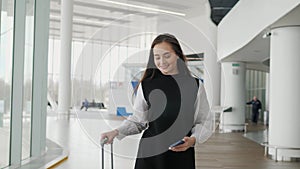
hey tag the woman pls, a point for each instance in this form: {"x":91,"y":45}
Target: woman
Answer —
{"x":170,"y":105}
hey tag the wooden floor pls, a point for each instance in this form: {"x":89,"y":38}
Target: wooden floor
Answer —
{"x":234,"y":151}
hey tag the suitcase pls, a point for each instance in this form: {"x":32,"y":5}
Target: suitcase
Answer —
{"x":102,"y":143}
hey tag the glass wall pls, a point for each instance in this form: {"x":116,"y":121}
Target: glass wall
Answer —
{"x":53,"y":70}
{"x":97,"y":65}
{"x":27,"y":86}
{"x":93,"y":65}
{"x":6,"y":46}
{"x":15,"y":129}
{"x":255,"y":86}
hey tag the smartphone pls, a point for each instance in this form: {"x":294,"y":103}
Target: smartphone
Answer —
{"x":176,"y":144}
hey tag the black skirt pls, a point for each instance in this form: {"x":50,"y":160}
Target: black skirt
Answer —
{"x":168,"y":160}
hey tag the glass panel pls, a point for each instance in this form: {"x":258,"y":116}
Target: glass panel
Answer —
{"x":53,"y":66}
{"x":255,"y":86}
{"x":28,"y":63}
{"x":6,"y":45}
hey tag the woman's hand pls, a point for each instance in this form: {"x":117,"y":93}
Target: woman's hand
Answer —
{"x":110,"y":135}
{"x":189,"y":142}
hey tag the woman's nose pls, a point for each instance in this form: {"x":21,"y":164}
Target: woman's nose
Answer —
{"x":162,"y":60}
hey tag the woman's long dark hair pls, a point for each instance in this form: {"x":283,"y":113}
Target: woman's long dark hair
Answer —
{"x":152,"y":70}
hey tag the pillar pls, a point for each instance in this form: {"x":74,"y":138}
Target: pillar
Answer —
{"x":64,"y":93}
{"x":233,"y":95}
{"x":284,"y":91}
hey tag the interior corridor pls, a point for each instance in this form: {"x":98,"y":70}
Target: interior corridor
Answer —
{"x":80,"y":133}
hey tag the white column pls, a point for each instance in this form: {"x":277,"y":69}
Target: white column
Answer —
{"x":64,"y":93}
{"x":285,"y":91}
{"x":233,"y":95}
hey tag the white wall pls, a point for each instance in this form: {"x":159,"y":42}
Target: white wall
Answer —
{"x":197,"y":34}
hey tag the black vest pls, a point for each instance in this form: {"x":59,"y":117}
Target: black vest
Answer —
{"x":171,"y":101}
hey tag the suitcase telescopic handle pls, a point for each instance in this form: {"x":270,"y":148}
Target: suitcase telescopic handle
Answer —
{"x":102,"y":143}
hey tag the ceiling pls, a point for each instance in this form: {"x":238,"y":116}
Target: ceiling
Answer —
{"x":91,"y":15}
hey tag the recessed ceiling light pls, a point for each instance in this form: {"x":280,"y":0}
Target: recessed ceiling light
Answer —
{"x":142,"y":7}
{"x":90,"y":21}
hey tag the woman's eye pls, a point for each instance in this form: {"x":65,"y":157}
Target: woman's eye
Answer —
{"x":167,"y":56}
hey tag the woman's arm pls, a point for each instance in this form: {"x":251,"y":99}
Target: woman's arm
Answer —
{"x":137,"y":122}
{"x":202,"y":129}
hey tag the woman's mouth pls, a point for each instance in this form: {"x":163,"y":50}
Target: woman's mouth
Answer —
{"x":164,"y":67}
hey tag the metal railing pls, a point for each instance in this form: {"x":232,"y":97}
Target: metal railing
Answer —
{"x":267,"y":146}
{"x":220,"y":110}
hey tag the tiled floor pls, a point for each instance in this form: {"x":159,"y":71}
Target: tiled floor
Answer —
{"x":80,"y":136}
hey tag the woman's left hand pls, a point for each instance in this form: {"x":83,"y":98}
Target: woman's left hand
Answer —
{"x":189,"y":142}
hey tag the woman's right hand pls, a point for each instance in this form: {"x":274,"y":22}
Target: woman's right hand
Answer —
{"x":110,"y":135}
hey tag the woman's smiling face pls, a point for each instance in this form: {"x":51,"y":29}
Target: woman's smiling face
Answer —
{"x":165,"y":58}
